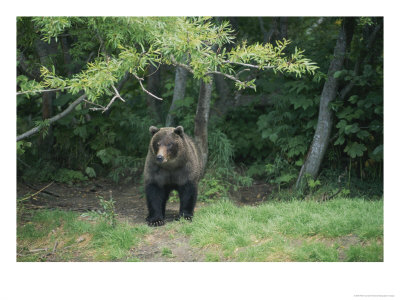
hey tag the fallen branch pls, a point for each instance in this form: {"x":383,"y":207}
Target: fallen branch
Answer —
{"x":38,"y":250}
{"x":39,"y":191}
{"x":55,"y":247}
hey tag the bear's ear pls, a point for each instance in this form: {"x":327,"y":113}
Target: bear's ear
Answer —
{"x":153,"y":130}
{"x":179,"y":130}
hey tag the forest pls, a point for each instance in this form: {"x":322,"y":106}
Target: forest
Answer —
{"x":287,"y":113}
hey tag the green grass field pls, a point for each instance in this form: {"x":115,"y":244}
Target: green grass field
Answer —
{"x":75,"y":237}
{"x":337,"y":230}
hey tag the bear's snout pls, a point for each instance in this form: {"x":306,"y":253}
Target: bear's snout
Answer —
{"x":160,"y":158}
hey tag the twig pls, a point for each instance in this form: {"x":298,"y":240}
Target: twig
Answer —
{"x":186,"y":67}
{"x":43,"y":91}
{"x":92,"y":103}
{"x":146,"y":91}
{"x":158,"y":67}
{"x":38,"y":250}
{"x":247,"y":65}
{"x":230,"y":77}
{"x":243,"y":64}
{"x":240,"y":72}
{"x":30,"y":196}
{"x":117,"y":95}
{"x":24,"y":163}
{"x":54,"y":248}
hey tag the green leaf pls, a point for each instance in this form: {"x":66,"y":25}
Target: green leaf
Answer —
{"x":353,"y":128}
{"x":273,"y":137}
{"x":377,"y":154}
{"x":353,"y":99}
{"x":340,"y":140}
{"x":339,"y":74}
{"x":355,"y":149}
{"x":90,"y":172}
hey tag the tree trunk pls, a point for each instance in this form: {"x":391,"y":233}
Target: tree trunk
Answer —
{"x":154,"y":87}
{"x":179,"y":94}
{"x":283,"y":27}
{"x":45,"y":52}
{"x":320,"y":141}
{"x":201,"y":119}
{"x":67,"y":56}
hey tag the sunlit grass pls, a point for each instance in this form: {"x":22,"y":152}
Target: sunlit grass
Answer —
{"x":336,"y":230}
{"x":291,"y":231}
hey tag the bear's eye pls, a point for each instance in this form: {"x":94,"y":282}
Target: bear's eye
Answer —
{"x":169,"y":145}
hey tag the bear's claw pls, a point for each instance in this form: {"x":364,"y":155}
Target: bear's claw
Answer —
{"x":156,"y":223}
{"x":188,"y":218}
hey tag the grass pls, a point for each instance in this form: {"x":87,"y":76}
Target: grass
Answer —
{"x":344,"y":229}
{"x":76,"y":237}
{"x":337,"y":230}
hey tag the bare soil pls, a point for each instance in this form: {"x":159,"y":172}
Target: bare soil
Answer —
{"x":130,"y":205}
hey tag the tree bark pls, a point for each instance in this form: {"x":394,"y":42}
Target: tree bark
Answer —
{"x":67,"y":56}
{"x":277,"y":30}
{"x":25,"y":67}
{"x":179,"y":94}
{"x":201,"y":119}
{"x":45,"y":51}
{"x":154,"y":87}
{"x":320,"y":141}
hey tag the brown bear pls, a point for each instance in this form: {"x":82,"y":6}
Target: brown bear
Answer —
{"x":173,"y":162}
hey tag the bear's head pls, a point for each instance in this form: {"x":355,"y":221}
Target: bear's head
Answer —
{"x":166,"y":144}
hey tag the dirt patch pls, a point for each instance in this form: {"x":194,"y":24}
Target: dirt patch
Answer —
{"x":129,"y":200}
{"x":130,"y":205}
{"x":166,"y":246}
{"x":253,"y":195}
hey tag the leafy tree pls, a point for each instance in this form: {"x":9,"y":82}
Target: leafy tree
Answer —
{"x":109,"y":79}
{"x":114,"y":48}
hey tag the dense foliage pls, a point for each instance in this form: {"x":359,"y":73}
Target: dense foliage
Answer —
{"x":267,"y":137}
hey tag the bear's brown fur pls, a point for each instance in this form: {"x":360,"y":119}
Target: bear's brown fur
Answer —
{"x":173,"y":162}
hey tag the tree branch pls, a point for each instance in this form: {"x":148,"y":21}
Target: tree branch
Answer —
{"x":146,"y":91}
{"x":43,"y":91}
{"x":186,"y":67}
{"x":230,"y":77}
{"x":117,"y":95}
{"x":53,"y":119}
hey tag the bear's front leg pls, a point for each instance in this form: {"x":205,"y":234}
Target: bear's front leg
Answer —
{"x":154,"y":199}
{"x":188,"y":197}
